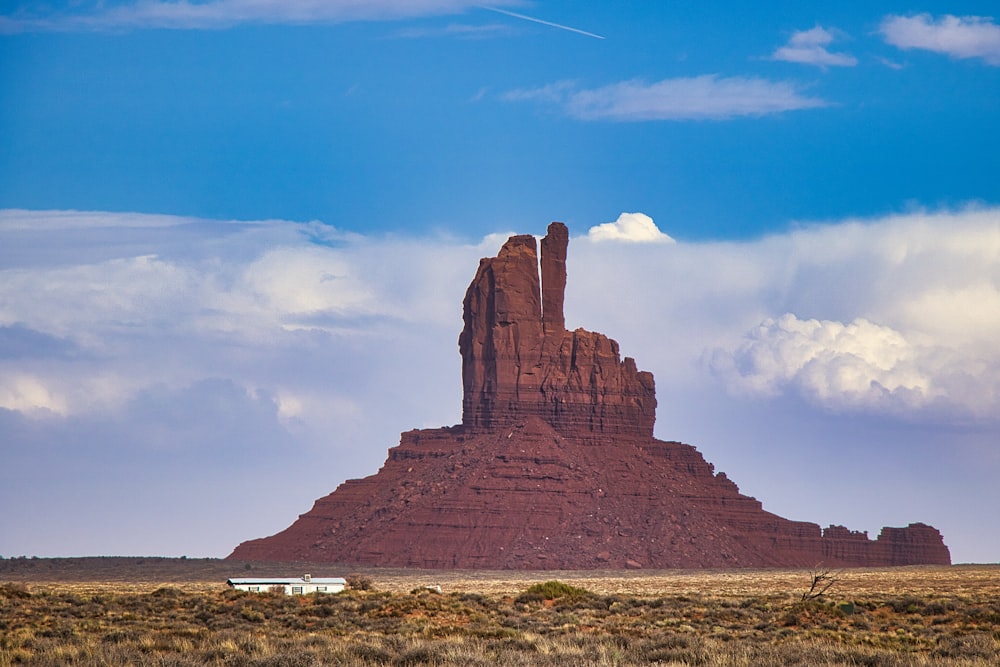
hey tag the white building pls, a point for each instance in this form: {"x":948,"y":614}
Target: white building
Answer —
{"x":303,"y":585}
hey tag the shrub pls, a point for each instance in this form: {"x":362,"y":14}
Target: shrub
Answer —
{"x":295,"y":658}
{"x":908,"y":604}
{"x":418,"y":655}
{"x":550,"y":590}
{"x":167,"y":592}
{"x":971,"y":647}
{"x":360,"y":582}
{"x":370,"y":653}
{"x":252,"y":615}
{"x":12,"y":591}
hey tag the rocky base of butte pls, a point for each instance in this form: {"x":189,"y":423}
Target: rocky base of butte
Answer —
{"x":555,"y":465}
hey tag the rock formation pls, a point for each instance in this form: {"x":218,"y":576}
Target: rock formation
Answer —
{"x":555,"y":465}
{"x":518,"y":360}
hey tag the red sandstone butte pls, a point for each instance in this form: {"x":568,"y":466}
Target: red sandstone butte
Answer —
{"x":555,"y":465}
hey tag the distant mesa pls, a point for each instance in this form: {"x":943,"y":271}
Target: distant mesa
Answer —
{"x":555,"y":466}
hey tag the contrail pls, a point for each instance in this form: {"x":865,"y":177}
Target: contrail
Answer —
{"x":548,"y":23}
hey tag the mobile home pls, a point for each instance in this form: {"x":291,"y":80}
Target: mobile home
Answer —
{"x":303,"y":585}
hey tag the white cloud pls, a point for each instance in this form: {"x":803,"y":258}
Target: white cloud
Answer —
{"x":630,"y":227}
{"x":859,"y":365}
{"x":891,"y":64}
{"x":294,"y":281}
{"x":809,"y":47}
{"x":78,"y":322}
{"x":962,"y":314}
{"x":221,"y":14}
{"x":707,"y":97}
{"x":121,"y":294}
{"x":956,"y":36}
{"x":28,"y":394}
{"x":26,"y":220}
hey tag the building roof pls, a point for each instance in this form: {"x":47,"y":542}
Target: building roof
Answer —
{"x":287,"y":581}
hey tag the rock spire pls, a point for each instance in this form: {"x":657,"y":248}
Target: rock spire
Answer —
{"x":519,"y":360}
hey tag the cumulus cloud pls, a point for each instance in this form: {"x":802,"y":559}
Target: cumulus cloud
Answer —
{"x":909,"y":311}
{"x":855,"y":365}
{"x":956,"y":36}
{"x":809,"y":47}
{"x":630,"y":227}
{"x":707,"y":97}
{"x":220,"y":14}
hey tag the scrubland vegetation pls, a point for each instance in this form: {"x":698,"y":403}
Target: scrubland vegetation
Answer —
{"x":909,"y":616}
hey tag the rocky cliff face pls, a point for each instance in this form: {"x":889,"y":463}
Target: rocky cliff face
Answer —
{"x":518,"y":360}
{"x":555,"y":466}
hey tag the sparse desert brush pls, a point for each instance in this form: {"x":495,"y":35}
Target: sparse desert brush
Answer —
{"x":896,"y":620}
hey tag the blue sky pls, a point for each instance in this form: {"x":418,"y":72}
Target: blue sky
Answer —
{"x":234,"y":237}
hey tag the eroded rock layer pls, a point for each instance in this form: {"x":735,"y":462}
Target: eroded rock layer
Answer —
{"x":555,"y":466}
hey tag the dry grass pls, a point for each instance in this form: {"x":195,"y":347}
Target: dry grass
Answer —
{"x":894,"y":617}
{"x":917,"y":580}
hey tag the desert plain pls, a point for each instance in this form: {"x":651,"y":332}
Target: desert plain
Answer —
{"x":180,"y":612}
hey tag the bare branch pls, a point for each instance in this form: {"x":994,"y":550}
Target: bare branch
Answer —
{"x":822,"y":581}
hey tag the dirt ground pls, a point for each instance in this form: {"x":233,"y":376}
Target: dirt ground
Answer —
{"x":147,"y":573}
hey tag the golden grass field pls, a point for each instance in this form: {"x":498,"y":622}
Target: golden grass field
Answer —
{"x":173,"y":612}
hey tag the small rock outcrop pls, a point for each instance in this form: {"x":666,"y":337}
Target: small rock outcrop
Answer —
{"x":555,"y":465}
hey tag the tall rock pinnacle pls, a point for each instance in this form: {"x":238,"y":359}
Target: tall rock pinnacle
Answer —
{"x":518,"y":359}
{"x":554,"y":277}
